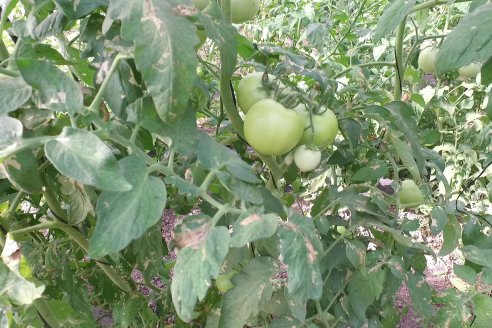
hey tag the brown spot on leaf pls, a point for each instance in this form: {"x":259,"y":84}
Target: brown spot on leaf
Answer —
{"x":312,"y":253}
{"x":250,"y":219}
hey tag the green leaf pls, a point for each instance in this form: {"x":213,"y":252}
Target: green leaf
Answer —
{"x":169,"y":70}
{"x":125,"y":216}
{"x":253,"y":227}
{"x":451,"y":236}
{"x":356,"y":253}
{"x":489,"y":106}
{"x":22,"y":171}
{"x":372,"y":171}
{"x":420,"y":293}
{"x":466,"y":273}
{"x":243,"y":301}
{"x":480,"y":256}
{"x":393,"y":14}
{"x":81,"y":155}
{"x":301,"y":248}
{"x":78,"y":9}
{"x":195,"y":266}
{"x":486,"y":72}
{"x":469,"y":41}
{"x":75,"y":196}
{"x":483,"y":311}
{"x":53,"y":89}
{"x":10,"y":134}
{"x":216,"y":156}
{"x":439,"y":219}
{"x":14,"y":92}
{"x":364,"y":289}
{"x":405,"y":153}
{"x":241,"y":190}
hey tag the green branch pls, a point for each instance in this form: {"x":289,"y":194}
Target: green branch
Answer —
{"x":371,"y":64}
{"x":400,"y":68}
{"x":434,"y":3}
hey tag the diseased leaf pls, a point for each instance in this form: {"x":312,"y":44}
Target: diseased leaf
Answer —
{"x":372,"y":171}
{"x":53,"y":89}
{"x":169,"y":69}
{"x":125,"y":216}
{"x":81,"y":155}
{"x":364,"y":289}
{"x":483,"y":311}
{"x":421,"y":295}
{"x":195,"y":266}
{"x":469,"y":41}
{"x":405,"y":153}
{"x":243,"y":301}
{"x":75,"y":196}
{"x":241,"y":190}
{"x":480,"y":256}
{"x":253,"y":227}
{"x":14,"y":92}
{"x":393,"y":14}
{"x":10,"y":135}
{"x":22,"y":171}
{"x":451,"y":236}
{"x":77,"y":9}
{"x":301,"y":249}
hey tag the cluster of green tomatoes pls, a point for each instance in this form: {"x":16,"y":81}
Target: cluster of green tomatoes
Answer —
{"x":272,"y":129}
{"x":427,"y":63}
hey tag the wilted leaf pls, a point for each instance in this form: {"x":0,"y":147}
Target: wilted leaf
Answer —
{"x":372,"y":171}
{"x":253,"y":227}
{"x":74,"y":195}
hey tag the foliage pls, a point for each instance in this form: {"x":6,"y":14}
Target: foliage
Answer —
{"x":109,"y":115}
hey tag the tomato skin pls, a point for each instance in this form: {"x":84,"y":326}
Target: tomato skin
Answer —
{"x":250,"y":90}
{"x":325,"y":128}
{"x":200,"y":4}
{"x":306,"y":159}
{"x":410,"y":194}
{"x":271,"y":129}
{"x":244,"y":10}
{"x":427,"y":60}
{"x":469,"y":71}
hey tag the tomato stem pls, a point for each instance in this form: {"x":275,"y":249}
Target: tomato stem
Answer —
{"x":400,"y":68}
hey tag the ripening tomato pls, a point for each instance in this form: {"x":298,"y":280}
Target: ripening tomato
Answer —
{"x":271,"y":129}
{"x":427,"y":59}
{"x":250,"y":90}
{"x":244,"y":10}
{"x":410,"y":194}
{"x":306,"y":159}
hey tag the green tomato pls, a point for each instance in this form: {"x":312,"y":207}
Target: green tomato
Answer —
{"x":244,"y":10}
{"x":250,"y":90}
{"x":410,"y":194}
{"x":271,"y":129}
{"x":469,"y":71}
{"x":427,"y":59}
{"x":306,"y":159}
{"x":223,"y":281}
{"x":325,"y":127}
{"x":201,"y":4}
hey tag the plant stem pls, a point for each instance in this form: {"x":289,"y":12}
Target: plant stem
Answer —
{"x":359,"y":12}
{"x":434,"y":3}
{"x":345,"y":71}
{"x":37,"y":227}
{"x":4,"y":53}
{"x":400,"y":67}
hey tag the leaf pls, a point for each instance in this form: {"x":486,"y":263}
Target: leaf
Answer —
{"x":125,"y":216}
{"x":216,"y":156}
{"x":75,"y":196}
{"x":10,"y":134}
{"x":468,"y":42}
{"x":489,"y":105}
{"x":486,"y":72}
{"x":466,"y":273}
{"x":421,"y":295}
{"x":78,"y":9}
{"x":372,"y":171}
{"x":480,"y":256}
{"x":451,"y":236}
{"x":301,"y":248}
{"x":14,"y":92}
{"x":169,"y":70}
{"x":81,"y":155}
{"x":253,"y":227}
{"x":240,"y":189}
{"x":22,"y":171}
{"x":356,"y":253}
{"x":243,"y":301}
{"x":53,"y":88}
{"x":394,"y":13}
{"x":439,"y":219}
{"x":195,"y":266}
{"x":405,"y":153}
{"x":364,"y":289}
{"x":483,"y":311}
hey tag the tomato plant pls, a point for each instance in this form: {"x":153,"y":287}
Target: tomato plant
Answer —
{"x":271,"y":129}
{"x":306,"y":159}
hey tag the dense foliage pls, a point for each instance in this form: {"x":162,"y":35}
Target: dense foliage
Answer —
{"x":113,"y":112}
